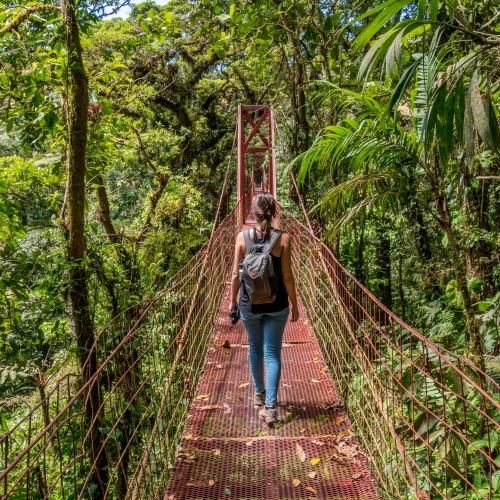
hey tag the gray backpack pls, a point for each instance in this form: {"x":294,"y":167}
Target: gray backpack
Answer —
{"x":257,"y":270}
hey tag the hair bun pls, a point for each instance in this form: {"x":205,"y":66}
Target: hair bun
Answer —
{"x":264,"y":207}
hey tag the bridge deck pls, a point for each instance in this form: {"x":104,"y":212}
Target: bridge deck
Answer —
{"x":227,"y":453}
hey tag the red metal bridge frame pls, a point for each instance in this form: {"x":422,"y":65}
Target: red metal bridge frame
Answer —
{"x":260,"y":119}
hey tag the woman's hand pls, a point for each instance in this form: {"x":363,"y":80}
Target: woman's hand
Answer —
{"x":294,"y":314}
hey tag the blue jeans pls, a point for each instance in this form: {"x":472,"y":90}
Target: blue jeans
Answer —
{"x":265,"y":335}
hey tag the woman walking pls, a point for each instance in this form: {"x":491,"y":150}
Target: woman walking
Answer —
{"x":265,"y":322}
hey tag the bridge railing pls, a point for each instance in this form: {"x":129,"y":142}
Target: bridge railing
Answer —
{"x":427,"y":419}
{"x":148,"y":363}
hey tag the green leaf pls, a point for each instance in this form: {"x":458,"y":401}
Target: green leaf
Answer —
{"x":375,"y":53}
{"x":483,"y":306}
{"x":433,"y":10}
{"x":444,"y":241}
{"x":485,"y":123}
{"x":402,"y":85}
{"x":393,"y":56}
{"x":385,"y":12}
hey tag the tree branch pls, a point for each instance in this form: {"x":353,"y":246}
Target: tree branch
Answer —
{"x":25,"y":15}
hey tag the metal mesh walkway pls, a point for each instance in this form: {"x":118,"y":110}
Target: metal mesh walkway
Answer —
{"x":227,"y":453}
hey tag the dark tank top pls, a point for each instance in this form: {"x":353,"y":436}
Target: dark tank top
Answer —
{"x":281,"y":300}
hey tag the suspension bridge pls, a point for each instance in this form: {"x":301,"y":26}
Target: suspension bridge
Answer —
{"x":369,"y":407}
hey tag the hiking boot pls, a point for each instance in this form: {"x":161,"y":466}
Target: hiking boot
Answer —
{"x":259,"y":399}
{"x":268,"y":414}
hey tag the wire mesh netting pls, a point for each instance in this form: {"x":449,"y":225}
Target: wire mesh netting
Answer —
{"x":420,"y":411}
{"x":426,"y":418}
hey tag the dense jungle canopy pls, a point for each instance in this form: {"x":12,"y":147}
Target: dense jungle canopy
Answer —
{"x":117,"y":125}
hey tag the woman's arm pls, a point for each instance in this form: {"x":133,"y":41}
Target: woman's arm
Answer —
{"x":287,"y":272}
{"x":235,"y":277}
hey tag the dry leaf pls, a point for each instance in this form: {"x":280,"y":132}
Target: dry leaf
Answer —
{"x":315,"y":381}
{"x":312,"y":474}
{"x":219,"y":367}
{"x":202,"y":396}
{"x":339,"y":420}
{"x":216,"y":452}
{"x":315,"y":461}
{"x":299,"y":451}
{"x":211,"y":482}
{"x":316,"y":358}
{"x":209,"y":407}
{"x":358,"y":475}
{"x":323,"y":371}
{"x":248,"y":443}
{"x":312,"y":489}
{"x":296,"y":482}
{"x":226,"y":344}
{"x":315,"y":441}
{"x":227,"y":408}
{"x":241,"y":386}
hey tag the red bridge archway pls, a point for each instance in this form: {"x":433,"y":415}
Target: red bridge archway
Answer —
{"x":256,"y":155}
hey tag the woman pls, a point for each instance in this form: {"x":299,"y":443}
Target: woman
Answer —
{"x":265,"y":323}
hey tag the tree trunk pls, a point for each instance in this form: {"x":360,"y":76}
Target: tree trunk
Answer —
{"x":474,"y":338}
{"x":77,"y":117}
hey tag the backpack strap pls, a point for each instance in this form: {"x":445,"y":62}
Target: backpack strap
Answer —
{"x":248,"y":240}
{"x":274,"y":238}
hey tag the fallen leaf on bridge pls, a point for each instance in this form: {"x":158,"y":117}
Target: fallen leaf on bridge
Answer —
{"x":296,"y":482}
{"x":202,"y":396}
{"x":226,"y":344}
{"x":227,"y":408}
{"x":219,"y":367}
{"x":312,"y":474}
{"x":210,"y":407}
{"x":358,"y":475}
{"x":316,"y":381}
{"x":245,"y":384}
{"x":312,"y":489}
{"x":211,"y":482}
{"x":339,"y":420}
{"x":299,"y":451}
{"x":248,"y":443}
{"x":216,"y":452}
{"x":315,"y":461}
{"x":227,"y":491}
{"x":315,"y":441}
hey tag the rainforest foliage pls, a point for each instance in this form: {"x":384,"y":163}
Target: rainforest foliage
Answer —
{"x":116,"y":132}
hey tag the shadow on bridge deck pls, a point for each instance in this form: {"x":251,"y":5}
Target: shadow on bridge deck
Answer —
{"x":227,"y":453}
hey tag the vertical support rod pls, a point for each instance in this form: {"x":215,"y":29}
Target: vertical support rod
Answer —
{"x":272,"y":155}
{"x":241,"y":164}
